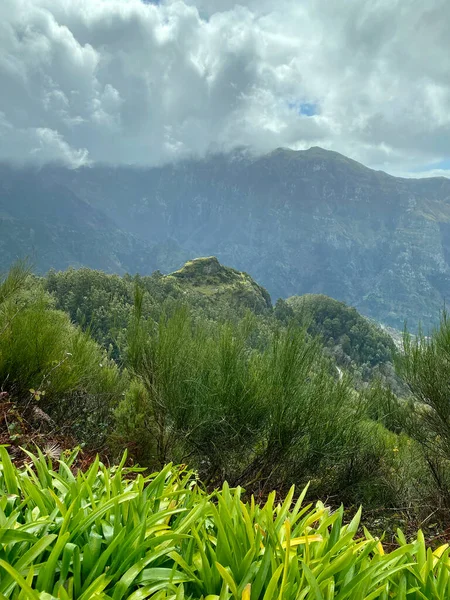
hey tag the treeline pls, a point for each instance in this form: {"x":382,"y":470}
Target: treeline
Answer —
{"x":251,"y":399}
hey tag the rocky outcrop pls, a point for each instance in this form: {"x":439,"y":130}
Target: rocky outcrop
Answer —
{"x":207,"y":277}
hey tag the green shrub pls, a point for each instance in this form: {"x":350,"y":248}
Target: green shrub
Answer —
{"x":201,"y":396}
{"x":134,"y":425}
{"x":45,"y":359}
{"x":425,"y":366}
{"x":383,"y":406}
{"x":260,"y":418}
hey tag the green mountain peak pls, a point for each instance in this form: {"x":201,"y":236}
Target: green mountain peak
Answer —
{"x":206,"y":276}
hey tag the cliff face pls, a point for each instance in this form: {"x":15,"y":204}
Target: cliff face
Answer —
{"x":299,"y":222}
{"x":46,"y":222}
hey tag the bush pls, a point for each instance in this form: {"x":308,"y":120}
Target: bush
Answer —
{"x":384,"y":407}
{"x":70,"y":376}
{"x":200,"y":396}
{"x":261,"y":418}
{"x":134,"y":425}
{"x":425,"y":366}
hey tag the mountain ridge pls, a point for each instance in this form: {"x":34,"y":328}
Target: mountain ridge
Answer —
{"x":307,"y":221}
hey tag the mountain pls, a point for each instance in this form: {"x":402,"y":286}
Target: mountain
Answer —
{"x":300,"y":222}
{"x":104,"y":302}
{"x":50,"y":225}
{"x":362,"y":347}
{"x":342,"y":327}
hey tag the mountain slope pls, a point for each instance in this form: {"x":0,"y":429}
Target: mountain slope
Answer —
{"x":300,"y":222}
{"x":341,"y":326}
{"x":356,"y":343}
{"x":49,"y":224}
{"x":104,"y":303}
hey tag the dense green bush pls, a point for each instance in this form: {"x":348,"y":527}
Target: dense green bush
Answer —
{"x":260,"y":417}
{"x":425,"y":366}
{"x":47,"y":361}
{"x":200,"y":390}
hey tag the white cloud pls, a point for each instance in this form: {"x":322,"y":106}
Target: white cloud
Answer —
{"x":125,"y":81}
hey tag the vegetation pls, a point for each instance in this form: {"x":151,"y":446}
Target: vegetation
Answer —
{"x":197,"y":368}
{"x":47,"y":362}
{"x":425,"y":366}
{"x":189,"y":374}
{"x":106,"y":534}
{"x":236,"y":413}
{"x":103,"y":305}
{"x":353,"y":341}
{"x":342,"y":325}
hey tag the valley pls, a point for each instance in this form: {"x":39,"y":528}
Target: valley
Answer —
{"x":299,"y":221}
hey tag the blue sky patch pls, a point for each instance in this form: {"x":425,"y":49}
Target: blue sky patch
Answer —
{"x":442,"y":164}
{"x":308,"y":109}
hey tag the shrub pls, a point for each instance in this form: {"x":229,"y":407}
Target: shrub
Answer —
{"x":256,"y":417}
{"x":425,"y":366}
{"x":200,"y":397}
{"x":134,"y":425}
{"x":71,"y":376}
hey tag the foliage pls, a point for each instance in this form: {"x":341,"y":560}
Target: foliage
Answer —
{"x":98,"y":302}
{"x":425,"y":366}
{"x":260,"y":417}
{"x":111,"y":533}
{"x":102,"y":303}
{"x":45,"y":359}
{"x":354,"y":342}
{"x":339,"y":324}
{"x":189,"y":374}
{"x":385,"y":407}
{"x":201,"y":388}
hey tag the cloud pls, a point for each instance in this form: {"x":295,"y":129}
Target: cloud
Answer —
{"x":127,"y":81}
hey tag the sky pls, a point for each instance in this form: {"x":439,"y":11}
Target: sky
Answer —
{"x":134,"y":82}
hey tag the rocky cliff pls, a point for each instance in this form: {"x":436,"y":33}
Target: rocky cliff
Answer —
{"x":300,"y":222}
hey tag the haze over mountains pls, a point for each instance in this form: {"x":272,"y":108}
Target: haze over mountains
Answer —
{"x":299,"y":222}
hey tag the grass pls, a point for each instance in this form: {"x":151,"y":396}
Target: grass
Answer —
{"x":115,"y":533}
